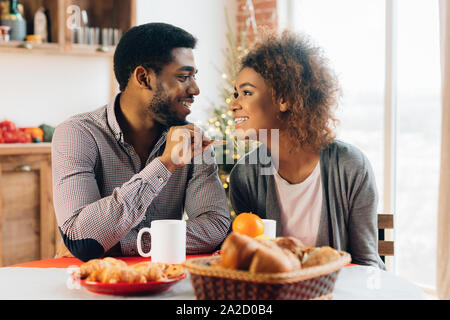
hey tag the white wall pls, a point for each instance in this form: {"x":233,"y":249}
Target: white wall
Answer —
{"x":205,"y":19}
{"x":37,"y":89}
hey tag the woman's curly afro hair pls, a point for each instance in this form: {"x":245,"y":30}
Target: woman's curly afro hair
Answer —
{"x":300,"y":76}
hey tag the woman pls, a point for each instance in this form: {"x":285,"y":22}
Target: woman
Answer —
{"x":322,"y":190}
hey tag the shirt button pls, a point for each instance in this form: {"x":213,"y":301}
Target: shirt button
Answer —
{"x":145,"y":218}
{"x":161,"y":180}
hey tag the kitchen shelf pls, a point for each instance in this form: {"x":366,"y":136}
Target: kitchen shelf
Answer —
{"x":84,"y":49}
{"x":22,"y":46}
{"x":74,"y":49}
{"x":119,"y":14}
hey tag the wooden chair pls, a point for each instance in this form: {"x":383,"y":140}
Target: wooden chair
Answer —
{"x":385,"y":248}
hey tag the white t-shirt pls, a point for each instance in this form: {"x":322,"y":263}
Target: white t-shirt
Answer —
{"x":301,"y":205}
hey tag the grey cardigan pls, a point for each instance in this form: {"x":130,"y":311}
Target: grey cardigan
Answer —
{"x":348,"y":218}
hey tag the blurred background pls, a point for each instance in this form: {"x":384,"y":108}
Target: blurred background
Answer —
{"x":56,"y":61}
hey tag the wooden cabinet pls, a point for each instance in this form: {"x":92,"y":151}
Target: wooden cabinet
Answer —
{"x":28,"y":229}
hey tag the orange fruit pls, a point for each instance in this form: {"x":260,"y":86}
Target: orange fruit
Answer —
{"x":249,"y":224}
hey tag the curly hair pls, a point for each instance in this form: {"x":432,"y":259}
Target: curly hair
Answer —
{"x":148,"y":45}
{"x":300,"y":76}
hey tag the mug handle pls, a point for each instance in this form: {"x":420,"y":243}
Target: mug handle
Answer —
{"x":139,"y":236}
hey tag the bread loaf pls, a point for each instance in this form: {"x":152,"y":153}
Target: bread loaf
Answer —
{"x":292,"y":244}
{"x":320,"y":256}
{"x":274,"y":260}
{"x":284,"y":254}
{"x":237,"y":251}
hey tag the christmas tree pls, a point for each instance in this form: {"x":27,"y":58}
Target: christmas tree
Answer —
{"x":221,"y":125}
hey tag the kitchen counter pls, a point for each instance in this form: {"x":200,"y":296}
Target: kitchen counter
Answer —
{"x":25,"y":148}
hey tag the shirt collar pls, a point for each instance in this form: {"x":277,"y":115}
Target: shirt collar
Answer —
{"x":115,"y":128}
{"x":112,"y":120}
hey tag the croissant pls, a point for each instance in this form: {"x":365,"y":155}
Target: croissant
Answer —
{"x":93,"y":265}
{"x":173,"y":271}
{"x":115,"y":262}
{"x":115,"y":274}
{"x":130,"y":275}
{"x":163,"y":266}
{"x":151,"y":271}
{"x":111,"y":270}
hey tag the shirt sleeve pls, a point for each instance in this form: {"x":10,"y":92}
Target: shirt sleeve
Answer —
{"x":363,"y":227}
{"x":206,"y":206}
{"x":89,"y":224}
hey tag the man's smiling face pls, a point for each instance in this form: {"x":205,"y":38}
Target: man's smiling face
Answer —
{"x":175,"y":89}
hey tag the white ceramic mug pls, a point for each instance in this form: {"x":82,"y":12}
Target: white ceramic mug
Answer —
{"x":270,"y":227}
{"x":168,"y":241}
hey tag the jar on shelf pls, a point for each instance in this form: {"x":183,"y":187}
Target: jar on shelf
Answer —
{"x":34,"y":38}
{"x":4,"y":33}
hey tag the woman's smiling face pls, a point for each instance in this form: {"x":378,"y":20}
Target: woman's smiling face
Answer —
{"x":254,"y":106}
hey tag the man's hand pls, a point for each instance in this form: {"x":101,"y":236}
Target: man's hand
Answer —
{"x":183,"y":143}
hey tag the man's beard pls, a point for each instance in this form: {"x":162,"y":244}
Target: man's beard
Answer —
{"x":160,"y":109}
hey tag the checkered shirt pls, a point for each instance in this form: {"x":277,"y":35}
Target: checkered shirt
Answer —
{"x":100,"y":193}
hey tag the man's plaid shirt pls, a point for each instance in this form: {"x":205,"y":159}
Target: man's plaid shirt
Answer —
{"x":102,"y":198}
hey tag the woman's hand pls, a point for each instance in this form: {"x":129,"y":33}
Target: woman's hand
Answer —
{"x":182,"y":145}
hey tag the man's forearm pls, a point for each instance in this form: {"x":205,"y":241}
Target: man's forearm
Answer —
{"x":206,"y":232}
{"x":98,"y":226}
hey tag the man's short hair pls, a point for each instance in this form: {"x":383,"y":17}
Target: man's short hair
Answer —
{"x":148,"y":45}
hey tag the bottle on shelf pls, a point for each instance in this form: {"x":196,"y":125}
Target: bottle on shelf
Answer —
{"x":40,"y":25}
{"x":14,"y":19}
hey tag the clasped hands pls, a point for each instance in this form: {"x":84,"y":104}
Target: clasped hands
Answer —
{"x":183,"y":143}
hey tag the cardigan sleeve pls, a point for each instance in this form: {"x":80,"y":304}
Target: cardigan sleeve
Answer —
{"x":362,"y":223}
{"x":239,"y":193}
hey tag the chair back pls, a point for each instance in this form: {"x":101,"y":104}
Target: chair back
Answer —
{"x":385,"y":248}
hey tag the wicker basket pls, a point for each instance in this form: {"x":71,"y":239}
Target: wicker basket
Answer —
{"x":213,"y":282}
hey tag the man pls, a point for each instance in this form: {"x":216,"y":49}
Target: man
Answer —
{"x":119,"y":167}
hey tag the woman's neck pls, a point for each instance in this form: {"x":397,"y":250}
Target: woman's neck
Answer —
{"x":294,"y":164}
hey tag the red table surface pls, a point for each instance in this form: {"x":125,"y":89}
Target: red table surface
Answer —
{"x":71,"y":262}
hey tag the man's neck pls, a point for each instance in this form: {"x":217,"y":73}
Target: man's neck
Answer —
{"x":137,"y":125}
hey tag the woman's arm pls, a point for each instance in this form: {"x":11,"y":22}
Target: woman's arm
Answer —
{"x":362,"y":224}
